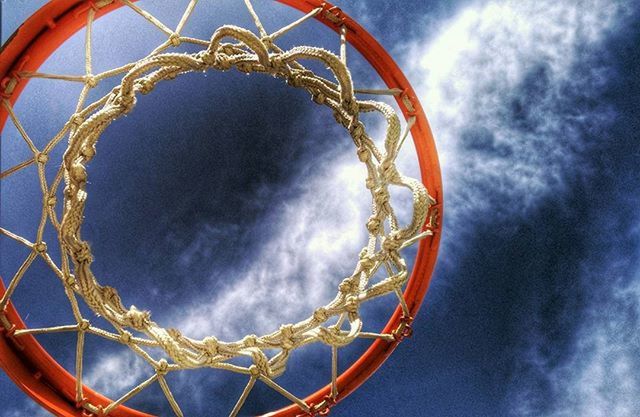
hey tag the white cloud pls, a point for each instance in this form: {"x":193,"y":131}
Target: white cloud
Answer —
{"x":315,"y":244}
{"x":113,"y":374}
{"x":498,"y":83}
{"x":470,"y":76}
{"x":29,"y":408}
{"x":488,"y":66}
{"x":308,"y":244}
{"x":495,"y":82}
{"x":600,"y":379}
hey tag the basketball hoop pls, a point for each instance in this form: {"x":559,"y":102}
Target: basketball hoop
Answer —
{"x":64,"y":394}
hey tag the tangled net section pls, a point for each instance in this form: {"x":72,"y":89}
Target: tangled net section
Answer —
{"x":335,"y":324}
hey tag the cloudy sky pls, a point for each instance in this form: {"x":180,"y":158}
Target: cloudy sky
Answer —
{"x":229,"y":204}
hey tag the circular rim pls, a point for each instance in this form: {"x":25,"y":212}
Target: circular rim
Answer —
{"x":40,"y":376}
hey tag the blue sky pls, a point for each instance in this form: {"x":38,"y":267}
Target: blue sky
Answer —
{"x":534,"y":306}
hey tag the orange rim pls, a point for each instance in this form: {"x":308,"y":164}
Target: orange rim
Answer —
{"x":48,"y":383}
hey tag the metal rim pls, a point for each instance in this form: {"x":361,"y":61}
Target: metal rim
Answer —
{"x":40,"y":376}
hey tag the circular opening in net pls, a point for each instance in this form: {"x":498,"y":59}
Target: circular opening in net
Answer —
{"x":245,"y":215}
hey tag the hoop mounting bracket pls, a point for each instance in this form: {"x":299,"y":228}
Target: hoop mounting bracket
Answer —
{"x":9,"y":83}
{"x":10,"y":334}
{"x":333,"y":14}
{"x":404,"y":330}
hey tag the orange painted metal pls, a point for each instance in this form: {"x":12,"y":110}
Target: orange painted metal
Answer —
{"x":41,"y":377}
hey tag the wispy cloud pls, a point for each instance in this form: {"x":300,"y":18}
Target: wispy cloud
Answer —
{"x":306,"y":246}
{"x":510,"y":90}
{"x":600,"y":378}
{"x":500,"y":83}
{"x":493,"y":81}
{"x":29,"y":408}
{"x":113,"y":374}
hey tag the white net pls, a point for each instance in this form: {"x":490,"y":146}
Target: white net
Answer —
{"x":335,"y":324}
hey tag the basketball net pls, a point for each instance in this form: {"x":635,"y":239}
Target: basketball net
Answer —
{"x":336,"y":324}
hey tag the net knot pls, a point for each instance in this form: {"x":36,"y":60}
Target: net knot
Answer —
{"x":358,"y":130}
{"x":392,"y":242}
{"x":70,"y":280}
{"x":228,"y":49}
{"x":171,"y":75}
{"x":222,"y":62}
{"x":88,"y":152}
{"x":136,"y":318}
{"x":346,"y":286}
{"x":367,"y":262}
{"x":77,"y":119}
{"x":42,"y":158}
{"x":332,"y":336}
{"x":125,"y":102}
{"x":296,"y":78}
{"x":207,"y":57}
{"x":84,"y":325}
{"x":351,"y":105}
{"x":254,"y":371}
{"x":381,"y":198}
{"x":250,"y":340}
{"x":83,"y":253}
{"x":145,"y":85}
{"x":163,"y":367}
{"x":262,"y":362}
{"x":320,"y":315}
{"x":381,"y":195}
{"x":370,"y":182}
{"x":352,"y":303}
{"x":175,"y":39}
{"x":388,"y":170}
{"x":267,"y":41}
{"x":286,"y":331}
{"x":125,"y":337}
{"x":78,"y":173}
{"x":373,"y":225}
{"x":91,"y":81}
{"x":246,"y":67}
{"x":40,"y":247}
{"x":340,"y":118}
{"x":211,"y":345}
{"x":319,"y":97}
{"x":276,"y":62}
